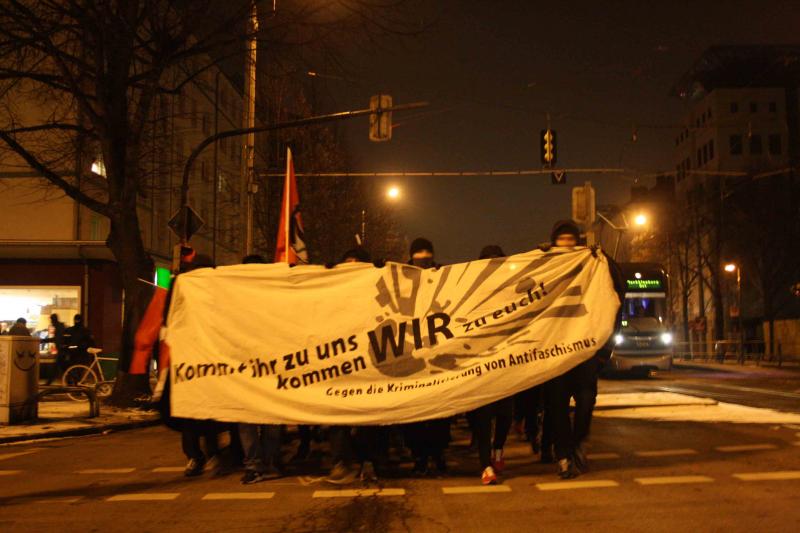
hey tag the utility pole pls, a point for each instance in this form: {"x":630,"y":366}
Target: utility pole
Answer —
{"x":248,"y":156}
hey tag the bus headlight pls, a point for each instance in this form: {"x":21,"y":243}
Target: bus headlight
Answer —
{"x":666,"y":338}
{"x":618,"y":339}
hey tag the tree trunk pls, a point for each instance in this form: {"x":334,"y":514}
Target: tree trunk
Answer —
{"x":134,"y":263}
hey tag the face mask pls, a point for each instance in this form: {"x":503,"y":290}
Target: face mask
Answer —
{"x":423,"y":262}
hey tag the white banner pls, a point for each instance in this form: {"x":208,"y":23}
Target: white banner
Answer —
{"x":361,"y":345}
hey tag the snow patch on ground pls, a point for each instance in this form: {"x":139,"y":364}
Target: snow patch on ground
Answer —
{"x":669,"y":406}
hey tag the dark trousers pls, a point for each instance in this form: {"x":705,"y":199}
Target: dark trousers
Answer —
{"x":579,"y":383}
{"x":427,"y":439}
{"x":501,"y":412}
{"x":366,"y":443}
{"x":191,"y":432}
{"x":527,"y":405}
{"x":261,"y":444}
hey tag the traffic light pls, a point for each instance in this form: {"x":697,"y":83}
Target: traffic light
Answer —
{"x":548,"y":147}
{"x":380,"y":122}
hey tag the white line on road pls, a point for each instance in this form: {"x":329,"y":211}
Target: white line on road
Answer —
{"x":601,"y":456}
{"x":672,"y":480}
{"x":4,"y":456}
{"x":144,"y":497}
{"x":10,"y":472}
{"x":769,"y":476}
{"x":566,"y":485}
{"x":106,"y":471}
{"x":666,"y":453}
{"x":745,"y":447}
{"x":164,"y":469}
{"x":238,"y":496}
{"x":476,"y":489}
{"x":352,"y":493}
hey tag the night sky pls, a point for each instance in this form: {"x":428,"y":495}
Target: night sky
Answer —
{"x":492,"y":70}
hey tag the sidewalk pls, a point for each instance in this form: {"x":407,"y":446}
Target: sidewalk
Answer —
{"x":68,"y":418}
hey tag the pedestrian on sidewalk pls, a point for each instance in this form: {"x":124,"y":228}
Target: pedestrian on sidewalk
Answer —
{"x":57,"y":339}
{"x":20,"y":327}
{"x":260,"y":443}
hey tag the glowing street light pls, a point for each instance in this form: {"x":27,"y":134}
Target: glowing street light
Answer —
{"x":393,"y":193}
{"x":730,"y":267}
{"x":640,"y":220}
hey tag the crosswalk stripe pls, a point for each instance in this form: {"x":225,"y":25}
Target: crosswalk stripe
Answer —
{"x":769,"y":476}
{"x":666,"y":453}
{"x":745,"y":447}
{"x":566,"y":485}
{"x":4,"y":456}
{"x":238,"y":496}
{"x":672,"y":480}
{"x":601,"y":456}
{"x":143,"y":497}
{"x":10,"y":472}
{"x":476,"y":489}
{"x":351,"y":493}
{"x":106,"y":471}
{"x":164,"y":469}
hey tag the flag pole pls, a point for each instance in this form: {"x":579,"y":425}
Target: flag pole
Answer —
{"x":287,"y":195}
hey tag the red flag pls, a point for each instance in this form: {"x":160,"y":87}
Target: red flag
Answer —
{"x":291,"y":227}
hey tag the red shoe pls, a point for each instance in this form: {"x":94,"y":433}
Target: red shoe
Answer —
{"x":498,"y":462}
{"x":488,"y":477}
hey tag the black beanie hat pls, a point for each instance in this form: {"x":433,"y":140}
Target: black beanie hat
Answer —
{"x":491,"y":250}
{"x":420,"y":244}
{"x":359,"y":254}
{"x":564,"y":227}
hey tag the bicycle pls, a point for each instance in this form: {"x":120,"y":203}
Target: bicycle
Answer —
{"x":87,"y":375}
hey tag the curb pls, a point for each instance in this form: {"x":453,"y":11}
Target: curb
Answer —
{"x":81,"y":432}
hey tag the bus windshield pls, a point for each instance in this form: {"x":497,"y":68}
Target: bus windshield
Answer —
{"x":644,"y":313}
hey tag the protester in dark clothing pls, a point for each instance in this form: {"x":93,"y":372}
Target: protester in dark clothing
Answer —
{"x":20,"y":327}
{"x":260,"y":442}
{"x":365,"y":444}
{"x":77,"y":340}
{"x":62,"y":362}
{"x":501,"y":412}
{"x":579,"y":383}
{"x":427,"y":440}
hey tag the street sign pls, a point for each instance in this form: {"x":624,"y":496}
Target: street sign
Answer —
{"x":583,"y":204}
{"x":558,"y":177}
{"x":380,"y":122}
{"x":185,"y":223}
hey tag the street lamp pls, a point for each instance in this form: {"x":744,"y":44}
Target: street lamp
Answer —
{"x":640,"y":220}
{"x":393,"y":192}
{"x":731,"y":268}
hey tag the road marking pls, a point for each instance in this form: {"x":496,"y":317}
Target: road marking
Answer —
{"x":164,"y":469}
{"x":238,"y":496}
{"x":769,"y":476}
{"x":671,"y":480}
{"x":4,"y":456}
{"x":106,"y":471}
{"x":666,"y":453}
{"x":474,"y":489}
{"x":144,"y":497}
{"x":796,"y":443}
{"x":352,"y":493}
{"x":601,"y":456}
{"x":565,"y":485}
{"x":745,"y":447}
{"x":10,"y":472}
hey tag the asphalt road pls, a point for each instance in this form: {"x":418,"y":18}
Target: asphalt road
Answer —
{"x":646,"y":476}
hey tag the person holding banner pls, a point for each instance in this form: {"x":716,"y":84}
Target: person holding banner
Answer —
{"x":491,"y":454}
{"x":428,"y":439}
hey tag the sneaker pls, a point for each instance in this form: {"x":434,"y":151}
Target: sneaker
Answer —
{"x":214,"y":465}
{"x":341,"y":474}
{"x":498,"y":463}
{"x":566,"y":470}
{"x":488,"y":477}
{"x":194,"y":468}
{"x":367,"y":473}
{"x":251,"y":476}
{"x":580,"y":460}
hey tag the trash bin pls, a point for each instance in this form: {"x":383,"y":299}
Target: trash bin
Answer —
{"x":19,"y":378}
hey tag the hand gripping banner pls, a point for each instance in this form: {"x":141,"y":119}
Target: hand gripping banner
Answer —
{"x":356,"y":344}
